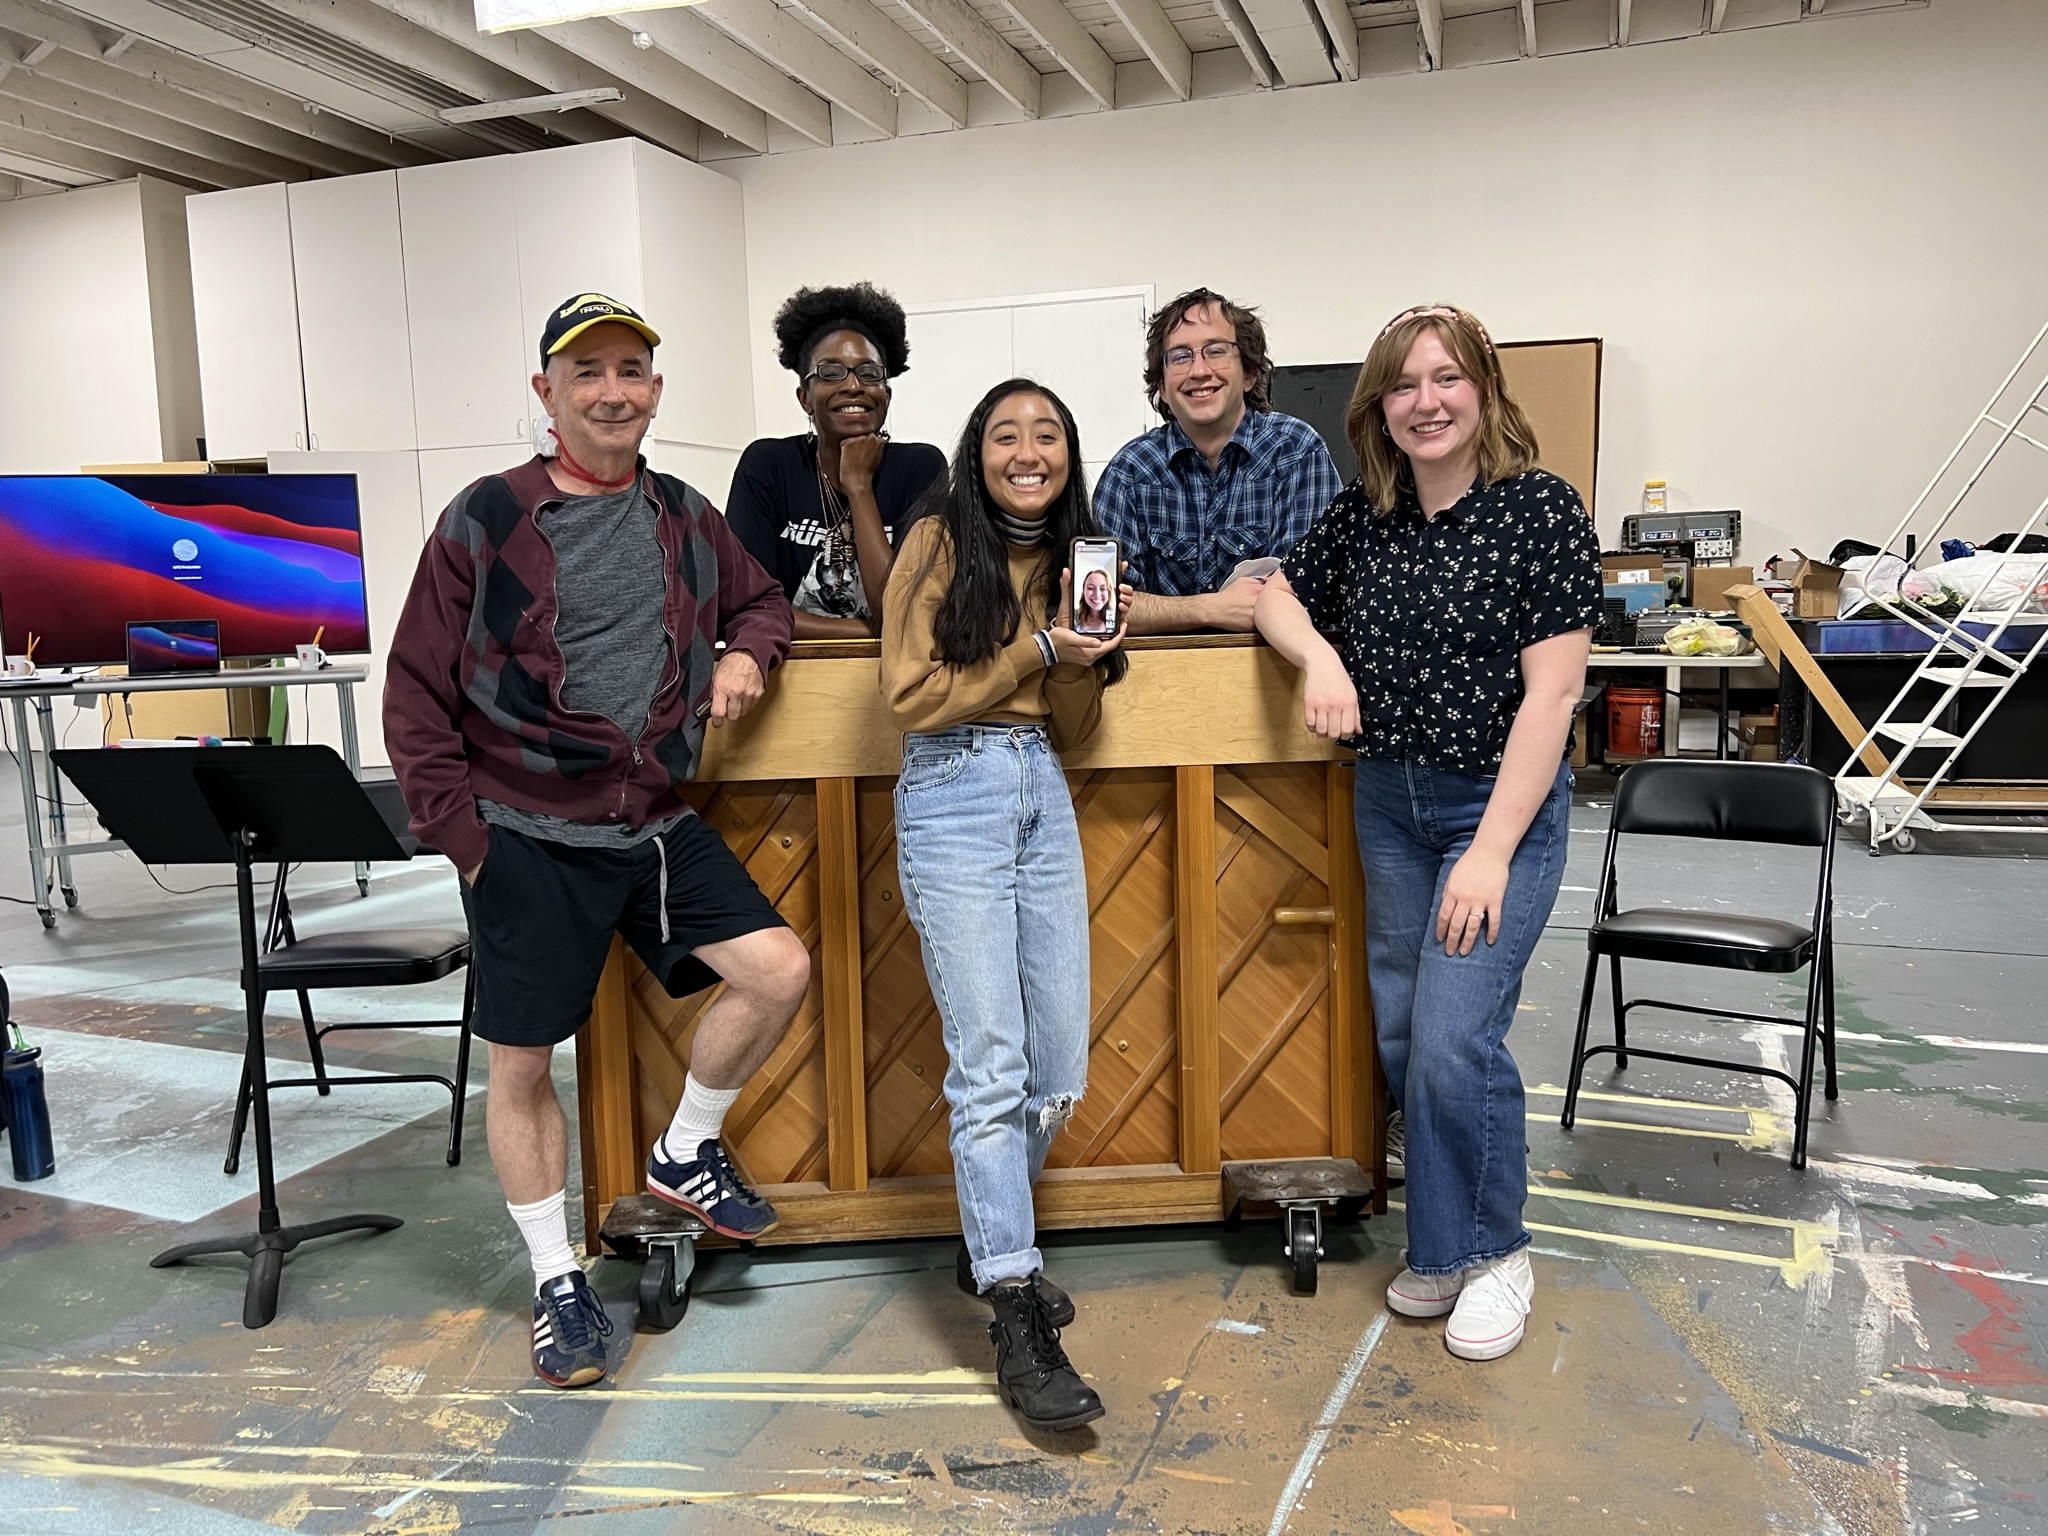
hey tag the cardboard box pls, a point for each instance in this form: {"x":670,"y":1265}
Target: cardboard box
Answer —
{"x":1710,"y":584}
{"x":1627,"y":570}
{"x":1816,"y":588}
{"x":1759,"y":735}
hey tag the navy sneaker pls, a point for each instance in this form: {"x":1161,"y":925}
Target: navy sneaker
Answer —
{"x":710,"y":1189}
{"x":569,"y":1330}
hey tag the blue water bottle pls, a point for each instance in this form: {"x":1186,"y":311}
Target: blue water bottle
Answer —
{"x":28,"y":1112}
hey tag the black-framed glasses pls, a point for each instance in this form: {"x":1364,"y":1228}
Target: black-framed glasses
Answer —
{"x":835,"y":373}
{"x":1214,"y":353}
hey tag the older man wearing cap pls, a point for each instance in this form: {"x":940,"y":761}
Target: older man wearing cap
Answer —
{"x":548,"y":690}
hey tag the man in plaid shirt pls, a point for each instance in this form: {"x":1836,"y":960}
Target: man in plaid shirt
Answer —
{"x":1224,"y":480}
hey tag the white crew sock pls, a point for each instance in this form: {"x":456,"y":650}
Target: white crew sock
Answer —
{"x":699,"y":1118}
{"x":545,"y":1226}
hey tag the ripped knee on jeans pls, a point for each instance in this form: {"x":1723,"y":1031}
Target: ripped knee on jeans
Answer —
{"x":1056,"y":1111}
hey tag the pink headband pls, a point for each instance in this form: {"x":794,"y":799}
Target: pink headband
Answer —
{"x":1445,"y":312}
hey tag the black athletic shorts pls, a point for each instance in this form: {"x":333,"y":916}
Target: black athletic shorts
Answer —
{"x":542,"y":915}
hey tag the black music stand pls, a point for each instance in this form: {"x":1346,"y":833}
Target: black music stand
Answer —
{"x":241,"y":806}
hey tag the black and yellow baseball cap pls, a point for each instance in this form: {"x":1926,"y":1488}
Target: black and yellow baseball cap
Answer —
{"x":579,"y":314}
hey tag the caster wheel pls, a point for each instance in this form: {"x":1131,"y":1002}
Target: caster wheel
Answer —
{"x":70,"y":897}
{"x":664,"y":1298}
{"x":1301,"y":1245}
{"x":49,"y":919}
{"x":1905,"y":842}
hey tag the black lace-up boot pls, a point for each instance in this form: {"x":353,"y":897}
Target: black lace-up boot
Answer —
{"x":1058,"y":1304}
{"x":1033,"y":1373}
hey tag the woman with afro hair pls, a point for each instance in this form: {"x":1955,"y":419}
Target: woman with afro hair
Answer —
{"x":821,"y":510}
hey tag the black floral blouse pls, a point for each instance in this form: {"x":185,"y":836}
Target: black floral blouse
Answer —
{"x":1431,"y":615}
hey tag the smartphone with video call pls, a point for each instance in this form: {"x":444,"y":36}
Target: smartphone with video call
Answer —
{"x":1095,"y":564}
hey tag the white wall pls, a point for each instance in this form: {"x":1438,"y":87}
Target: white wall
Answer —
{"x":1812,"y":250}
{"x":81,"y":382}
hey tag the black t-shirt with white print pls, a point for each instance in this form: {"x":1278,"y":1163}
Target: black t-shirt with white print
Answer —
{"x":1431,"y":615}
{"x":777,"y":510}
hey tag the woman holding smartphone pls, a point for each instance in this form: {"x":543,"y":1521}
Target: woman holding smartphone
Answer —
{"x":1461,"y":584}
{"x":984,"y":672}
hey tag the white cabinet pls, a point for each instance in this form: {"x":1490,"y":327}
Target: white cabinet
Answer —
{"x":562,"y":251}
{"x":693,"y":252}
{"x":246,"y":313}
{"x":473,"y":348}
{"x":444,"y":471}
{"x":350,"y":277}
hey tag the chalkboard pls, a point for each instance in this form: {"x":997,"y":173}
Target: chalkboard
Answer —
{"x":1557,"y":384}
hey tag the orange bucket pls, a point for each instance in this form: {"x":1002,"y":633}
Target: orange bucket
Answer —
{"x":1635,"y":721}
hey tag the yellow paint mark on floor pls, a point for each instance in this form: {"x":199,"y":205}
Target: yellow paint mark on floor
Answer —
{"x":1767,"y":1128}
{"x":1442,"y":1518}
{"x":1194,"y":1477}
{"x":983,"y":1398}
{"x":949,"y":1378}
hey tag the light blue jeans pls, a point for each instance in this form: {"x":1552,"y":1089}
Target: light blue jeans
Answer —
{"x":990,"y":860}
{"x":1443,"y":1020}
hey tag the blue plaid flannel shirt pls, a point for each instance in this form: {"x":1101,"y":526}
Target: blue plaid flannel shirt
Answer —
{"x":1183,"y":526}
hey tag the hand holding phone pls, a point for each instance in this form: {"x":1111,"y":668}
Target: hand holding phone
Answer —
{"x":1094,"y":564}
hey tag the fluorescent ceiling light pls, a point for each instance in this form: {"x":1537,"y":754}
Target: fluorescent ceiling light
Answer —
{"x":511,"y":15}
{"x":522,"y":106}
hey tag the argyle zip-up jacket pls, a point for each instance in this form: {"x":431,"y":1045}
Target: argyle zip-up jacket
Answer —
{"x":473,"y":690}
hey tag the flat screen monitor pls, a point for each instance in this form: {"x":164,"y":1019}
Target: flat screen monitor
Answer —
{"x":274,"y":558}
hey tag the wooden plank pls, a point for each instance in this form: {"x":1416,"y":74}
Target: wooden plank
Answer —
{"x":1357,"y":1094}
{"x":1268,"y":821}
{"x":824,"y":717}
{"x":611,"y":1141}
{"x":839,"y":964}
{"x":1069,"y":42}
{"x":1201,"y":1115}
{"x":1776,"y":639}
{"x":960,"y":27}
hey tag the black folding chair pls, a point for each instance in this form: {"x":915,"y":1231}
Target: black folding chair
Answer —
{"x":380,"y":957}
{"x":1730,"y":802}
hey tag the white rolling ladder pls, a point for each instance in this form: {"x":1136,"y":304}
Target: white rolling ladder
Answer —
{"x":1998,"y":474}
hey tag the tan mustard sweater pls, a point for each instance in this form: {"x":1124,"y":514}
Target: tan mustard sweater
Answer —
{"x":1012,"y":687}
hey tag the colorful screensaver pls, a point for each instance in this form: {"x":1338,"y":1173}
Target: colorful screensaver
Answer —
{"x":275,"y":558}
{"x":174,"y":645}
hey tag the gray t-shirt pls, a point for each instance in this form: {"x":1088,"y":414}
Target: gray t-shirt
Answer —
{"x":609,"y":595}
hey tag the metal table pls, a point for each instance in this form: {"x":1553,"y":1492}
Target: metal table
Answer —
{"x":50,"y":850}
{"x":1674,"y":669}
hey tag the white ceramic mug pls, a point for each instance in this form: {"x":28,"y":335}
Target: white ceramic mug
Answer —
{"x":20,"y":666}
{"x":311,"y":658}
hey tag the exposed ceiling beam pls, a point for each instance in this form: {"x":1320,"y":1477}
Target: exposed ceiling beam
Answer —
{"x":389,"y":37}
{"x":123,"y":84}
{"x":119,"y":100}
{"x":1717,"y":16}
{"x":60,"y":156}
{"x":1528,"y":8}
{"x":795,"y":49}
{"x":532,"y":57}
{"x":1240,"y":27}
{"x":1342,"y":28}
{"x":137,"y":149}
{"x":866,"y":33}
{"x":1068,"y":41}
{"x":608,"y":48}
{"x":1430,"y":14}
{"x":58,"y":178}
{"x":1147,"y":21}
{"x":1293,"y":33}
{"x":960,"y":27}
{"x":695,"y":44}
{"x":1624,"y":20}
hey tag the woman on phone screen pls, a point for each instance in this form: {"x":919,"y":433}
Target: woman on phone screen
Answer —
{"x":989,"y":681}
{"x":821,"y":510}
{"x":1094,"y":619}
{"x":1461,"y":584}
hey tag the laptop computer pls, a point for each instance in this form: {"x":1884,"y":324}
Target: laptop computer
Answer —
{"x":171,"y":647}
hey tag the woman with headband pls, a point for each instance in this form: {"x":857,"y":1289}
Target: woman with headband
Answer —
{"x":1461,"y":584}
{"x":821,"y":510}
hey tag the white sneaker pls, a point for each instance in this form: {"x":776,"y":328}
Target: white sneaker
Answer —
{"x":1414,"y":1295}
{"x":1492,"y":1309}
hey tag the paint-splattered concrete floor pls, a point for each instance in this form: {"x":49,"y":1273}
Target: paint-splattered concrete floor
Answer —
{"x":1718,"y":1345}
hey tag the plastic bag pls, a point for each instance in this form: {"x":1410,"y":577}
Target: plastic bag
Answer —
{"x":1985,"y":583}
{"x":1703,"y":637}
{"x":1869,"y":579}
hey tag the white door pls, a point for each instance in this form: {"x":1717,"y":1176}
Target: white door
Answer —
{"x":561,"y":252}
{"x":350,"y":271}
{"x":388,"y":491}
{"x":473,"y":346}
{"x":956,"y":356}
{"x":1092,"y":353}
{"x":246,"y":312}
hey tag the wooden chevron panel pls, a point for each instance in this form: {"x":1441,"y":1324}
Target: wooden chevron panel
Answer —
{"x":777,"y":1128}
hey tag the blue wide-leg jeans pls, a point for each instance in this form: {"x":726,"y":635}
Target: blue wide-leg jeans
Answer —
{"x":990,"y":860}
{"x":1443,"y":1020}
